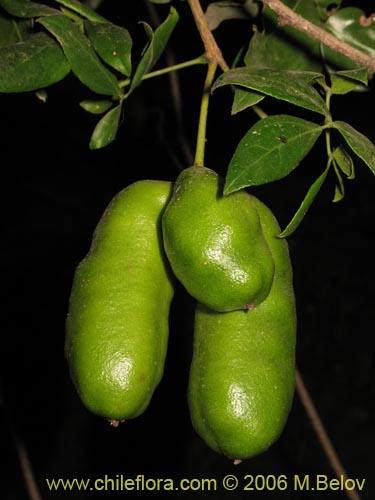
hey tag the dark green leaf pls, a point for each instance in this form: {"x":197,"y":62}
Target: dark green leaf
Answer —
{"x":218,"y":12}
{"x":96,"y":107}
{"x":305,"y":205}
{"x":326,"y":8}
{"x":9,"y":31}
{"x":285,"y":47}
{"x":82,"y":58}
{"x":83,"y":10}
{"x":163,"y":33}
{"x":341,"y":85}
{"x":155,"y":47}
{"x":291,"y":86}
{"x":270,"y":150}
{"x":348,"y":25}
{"x":359,"y":143}
{"x":339,"y":188}
{"x":344,"y":161}
{"x":252,"y":7}
{"x":343,"y":82}
{"x":360,"y":75}
{"x":112,"y":43}
{"x":339,"y":193}
{"x":25,"y":9}
{"x":244,"y":99}
{"x":106,"y":130}
{"x":37,"y":62}
{"x":275,"y":50}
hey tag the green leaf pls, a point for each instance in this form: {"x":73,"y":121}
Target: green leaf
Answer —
{"x":218,"y":12}
{"x":37,"y":62}
{"x":83,"y":10}
{"x":359,"y":143}
{"x":326,"y":8}
{"x":26,"y":9}
{"x":96,"y":107}
{"x":12,"y":31}
{"x":339,"y":187}
{"x":244,"y":99}
{"x":291,"y":86}
{"x":284,"y":47}
{"x":305,"y":205}
{"x":82,"y":58}
{"x":113,"y":44}
{"x":274,"y":50}
{"x":270,"y":150}
{"x":339,"y":193}
{"x":345,"y":81}
{"x":155,"y":47}
{"x":344,"y":161}
{"x":348,"y":25}
{"x":106,"y":130}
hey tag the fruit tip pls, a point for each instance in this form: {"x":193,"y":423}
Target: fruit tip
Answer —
{"x":114,"y":422}
{"x":250,"y":305}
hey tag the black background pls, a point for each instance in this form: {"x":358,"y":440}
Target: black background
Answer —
{"x":54,"y":190}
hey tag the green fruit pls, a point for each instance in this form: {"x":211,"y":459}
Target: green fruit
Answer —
{"x":215,"y":244}
{"x":241,"y":382}
{"x":117,"y":326}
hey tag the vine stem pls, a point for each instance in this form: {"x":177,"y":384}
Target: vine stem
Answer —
{"x":287,"y":16}
{"x":202,"y":125}
{"x":321,"y":433}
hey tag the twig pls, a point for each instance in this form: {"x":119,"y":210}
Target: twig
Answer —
{"x":321,"y":433}
{"x":287,"y":16}
{"x":23,"y":457}
{"x":212,"y":50}
{"x":27,"y":471}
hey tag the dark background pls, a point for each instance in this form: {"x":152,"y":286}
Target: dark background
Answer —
{"x":53,"y":192}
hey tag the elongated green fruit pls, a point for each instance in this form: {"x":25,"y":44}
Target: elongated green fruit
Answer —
{"x":117,"y":326}
{"x":215,"y":244}
{"x":241,"y":382}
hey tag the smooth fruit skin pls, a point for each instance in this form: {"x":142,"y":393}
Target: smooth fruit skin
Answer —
{"x":242,"y":374}
{"x":214,"y":243}
{"x":117,"y":325}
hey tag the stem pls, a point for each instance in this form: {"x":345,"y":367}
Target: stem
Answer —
{"x":322,"y":433}
{"x":328,"y":144}
{"x":327,"y":132}
{"x":168,"y":69}
{"x":259,"y":111}
{"x":27,"y":472}
{"x":287,"y":16}
{"x":212,"y":50}
{"x":202,"y":126}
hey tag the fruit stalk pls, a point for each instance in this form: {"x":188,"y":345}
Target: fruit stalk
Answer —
{"x":202,"y":125}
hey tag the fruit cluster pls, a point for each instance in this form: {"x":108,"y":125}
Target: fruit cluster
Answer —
{"x":225,"y":252}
